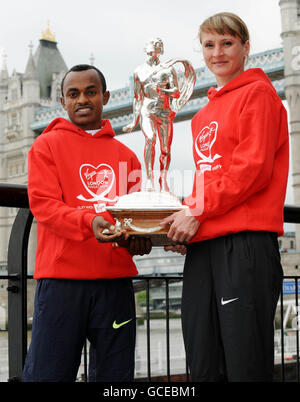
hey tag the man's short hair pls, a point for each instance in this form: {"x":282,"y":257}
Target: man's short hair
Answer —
{"x":84,"y":67}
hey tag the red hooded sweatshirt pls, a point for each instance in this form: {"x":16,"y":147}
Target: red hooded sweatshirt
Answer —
{"x":72,"y":175}
{"x":241,"y":152}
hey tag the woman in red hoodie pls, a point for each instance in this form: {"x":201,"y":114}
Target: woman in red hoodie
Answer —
{"x":232,"y":273}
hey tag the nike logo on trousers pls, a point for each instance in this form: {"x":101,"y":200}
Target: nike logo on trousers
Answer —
{"x":223,"y":302}
{"x":116,"y":326}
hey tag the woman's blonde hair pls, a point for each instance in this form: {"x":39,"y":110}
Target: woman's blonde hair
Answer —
{"x":225,"y":23}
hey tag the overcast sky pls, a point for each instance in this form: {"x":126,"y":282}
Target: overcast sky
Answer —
{"x":116,"y":31}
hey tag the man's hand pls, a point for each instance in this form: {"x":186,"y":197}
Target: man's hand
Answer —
{"x":137,"y":245}
{"x":99,"y":224}
{"x":183,"y":227}
{"x":179,"y":248}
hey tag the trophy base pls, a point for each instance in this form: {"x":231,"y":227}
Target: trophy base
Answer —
{"x":144,"y":221}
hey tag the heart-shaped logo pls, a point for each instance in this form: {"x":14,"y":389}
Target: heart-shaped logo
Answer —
{"x":98,"y":181}
{"x":204,"y":142}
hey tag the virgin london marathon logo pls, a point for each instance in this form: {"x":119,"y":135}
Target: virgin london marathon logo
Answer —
{"x":203,"y":146}
{"x":97,"y":181}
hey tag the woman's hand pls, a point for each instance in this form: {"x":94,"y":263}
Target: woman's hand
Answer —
{"x":183,"y":227}
{"x":179,"y":248}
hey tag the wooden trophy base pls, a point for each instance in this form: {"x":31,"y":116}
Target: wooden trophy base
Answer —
{"x":145,"y":223}
{"x":140,"y":214}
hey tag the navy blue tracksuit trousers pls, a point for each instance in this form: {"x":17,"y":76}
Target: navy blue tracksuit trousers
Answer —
{"x":69,"y":311}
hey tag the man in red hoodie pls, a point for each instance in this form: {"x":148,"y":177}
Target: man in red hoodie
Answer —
{"x":84,"y":290}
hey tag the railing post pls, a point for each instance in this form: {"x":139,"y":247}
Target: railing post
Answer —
{"x":168,"y":329}
{"x":148,"y":329}
{"x":17,"y":293}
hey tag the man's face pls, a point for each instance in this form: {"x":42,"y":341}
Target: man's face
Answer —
{"x":83,"y":99}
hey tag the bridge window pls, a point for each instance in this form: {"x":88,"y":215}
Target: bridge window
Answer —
{"x":14,"y":94}
{"x":58,"y":94}
{"x":14,"y":119}
{"x":49,"y":91}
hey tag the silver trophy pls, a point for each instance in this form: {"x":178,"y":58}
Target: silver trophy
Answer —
{"x":157,"y":98}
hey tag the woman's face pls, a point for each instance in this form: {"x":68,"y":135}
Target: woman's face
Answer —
{"x":224,"y":55}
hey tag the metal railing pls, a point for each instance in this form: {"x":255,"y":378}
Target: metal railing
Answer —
{"x":14,"y":195}
{"x":282,"y":331}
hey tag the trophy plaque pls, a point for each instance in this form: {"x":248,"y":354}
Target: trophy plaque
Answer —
{"x":158,"y":96}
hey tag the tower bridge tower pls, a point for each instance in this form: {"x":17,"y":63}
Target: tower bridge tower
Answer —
{"x":21,"y":95}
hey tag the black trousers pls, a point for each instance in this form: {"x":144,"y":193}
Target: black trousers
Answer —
{"x":230,"y":291}
{"x":69,"y":311}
